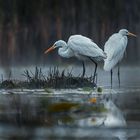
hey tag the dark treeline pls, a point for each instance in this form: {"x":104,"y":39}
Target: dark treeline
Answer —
{"x":27,"y":27}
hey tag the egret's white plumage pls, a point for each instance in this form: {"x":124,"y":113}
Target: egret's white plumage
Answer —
{"x":115,"y":48}
{"x":80,"y":47}
{"x":83,"y":47}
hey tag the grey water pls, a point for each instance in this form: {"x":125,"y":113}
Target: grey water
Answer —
{"x":25,"y":116}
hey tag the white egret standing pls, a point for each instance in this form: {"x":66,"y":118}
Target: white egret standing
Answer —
{"x":114,"y":49}
{"x":80,"y":47}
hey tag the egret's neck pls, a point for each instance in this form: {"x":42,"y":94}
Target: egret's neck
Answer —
{"x":65,"y":51}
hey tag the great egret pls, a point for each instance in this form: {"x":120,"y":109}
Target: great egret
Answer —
{"x":114,"y":49}
{"x":80,"y":47}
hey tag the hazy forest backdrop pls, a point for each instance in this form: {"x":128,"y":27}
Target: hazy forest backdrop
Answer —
{"x":27,"y":27}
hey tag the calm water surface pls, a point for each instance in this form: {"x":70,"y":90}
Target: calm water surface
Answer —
{"x":33,"y":115}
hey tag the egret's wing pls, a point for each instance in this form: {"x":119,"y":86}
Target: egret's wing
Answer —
{"x":84,"y":46}
{"x":114,"y":49}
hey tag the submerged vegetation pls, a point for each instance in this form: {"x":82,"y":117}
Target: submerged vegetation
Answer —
{"x":55,"y":79}
{"x":47,"y":111}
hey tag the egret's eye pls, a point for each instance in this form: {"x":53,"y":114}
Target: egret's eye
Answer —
{"x":55,"y":45}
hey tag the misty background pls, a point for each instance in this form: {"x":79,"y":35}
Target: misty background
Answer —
{"x":28,"y":27}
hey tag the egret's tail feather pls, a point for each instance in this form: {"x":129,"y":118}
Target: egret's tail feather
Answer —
{"x":108,"y":65}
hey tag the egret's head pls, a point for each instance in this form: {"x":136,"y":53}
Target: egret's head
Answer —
{"x":125,"y":32}
{"x":57,"y":44}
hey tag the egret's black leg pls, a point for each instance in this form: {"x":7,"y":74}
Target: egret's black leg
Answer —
{"x":83,"y":64}
{"x":95,"y":68}
{"x":96,"y":77}
{"x":95,"y":74}
{"x":111,"y":77}
{"x":119,"y":74}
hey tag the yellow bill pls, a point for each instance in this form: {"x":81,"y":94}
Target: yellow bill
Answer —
{"x":50,"y":49}
{"x":131,"y":34}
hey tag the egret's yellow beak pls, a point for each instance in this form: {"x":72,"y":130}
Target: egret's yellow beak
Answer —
{"x":131,"y":34}
{"x":50,"y":49}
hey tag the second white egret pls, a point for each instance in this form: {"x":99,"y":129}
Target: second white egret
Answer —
{"x":114,"y":49}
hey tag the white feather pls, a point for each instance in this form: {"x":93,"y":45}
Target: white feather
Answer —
{"x":83,"y":46}
{"x":114,"y":49}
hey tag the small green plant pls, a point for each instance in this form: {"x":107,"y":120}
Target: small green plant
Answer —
{"x":99,"y":89}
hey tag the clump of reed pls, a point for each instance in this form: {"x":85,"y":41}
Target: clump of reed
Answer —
{"x":34,"y":80}
{"x":55,"y":79}
{"x":63,"y":79}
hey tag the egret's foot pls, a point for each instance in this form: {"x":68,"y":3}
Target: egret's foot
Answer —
{"x":95,"y":79}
